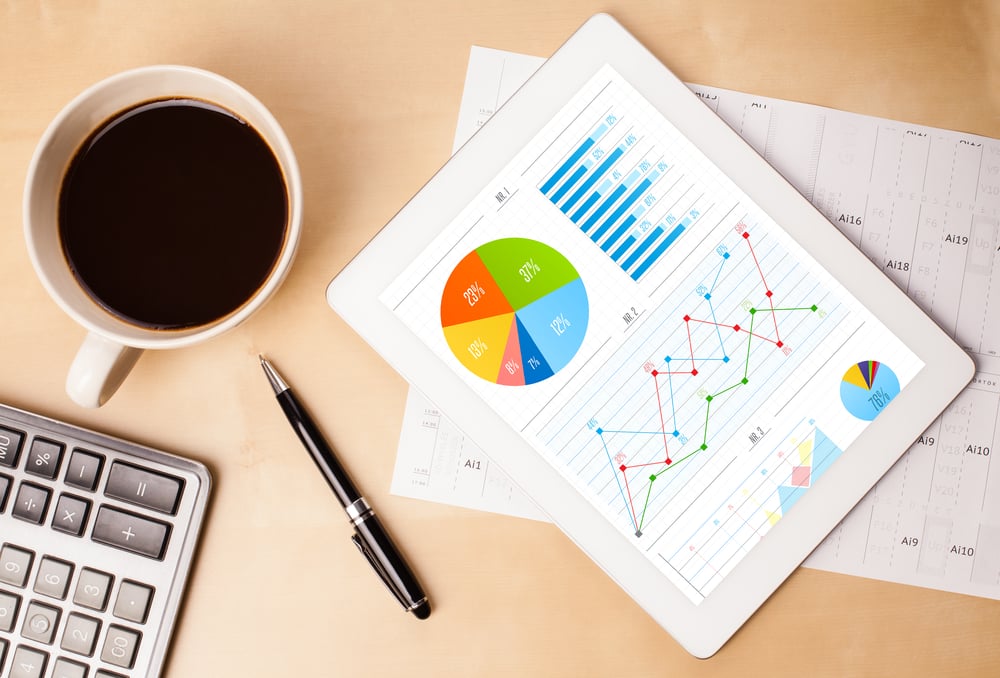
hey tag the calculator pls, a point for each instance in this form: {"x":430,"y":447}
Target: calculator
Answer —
{"x":97,"y":535}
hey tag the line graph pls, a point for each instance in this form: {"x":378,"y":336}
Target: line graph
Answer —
{"x":687,"y":366}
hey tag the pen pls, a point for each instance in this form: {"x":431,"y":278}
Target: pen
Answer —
{"x":369,"y":536}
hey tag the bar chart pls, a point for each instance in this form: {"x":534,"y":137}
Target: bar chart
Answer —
{"x":619,"y":190}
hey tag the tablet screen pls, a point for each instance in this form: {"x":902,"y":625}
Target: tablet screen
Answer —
{"x":654,"y":335}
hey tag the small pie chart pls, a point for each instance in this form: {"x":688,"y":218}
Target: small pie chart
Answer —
{"x":867,"y":387}
{"x":514,"y":311}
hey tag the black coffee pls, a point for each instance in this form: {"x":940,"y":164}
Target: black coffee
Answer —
{"x":173,"y":213}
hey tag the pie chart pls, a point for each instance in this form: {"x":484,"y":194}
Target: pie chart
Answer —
{"x":514,"y":311}
{"x":867,"y":388}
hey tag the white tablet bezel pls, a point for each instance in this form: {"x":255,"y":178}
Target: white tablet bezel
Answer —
{"x":701,"y":628}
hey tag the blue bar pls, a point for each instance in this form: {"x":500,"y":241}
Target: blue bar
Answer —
{"x":627,"y":203}
{"x":577,"y":154}
{"x":643,"y":246}
{"x":594,"y":197}
{"x":598,"y":173}
{"x":610,"y":242}
{"x":573,"y":178}
{"x":660,"y":249}
{"x":603,"y":207}
{"x":624,"y":248}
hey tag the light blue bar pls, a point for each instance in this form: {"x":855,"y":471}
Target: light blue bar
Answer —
{"x":626,"y":204}
{"x":603,"y":207}
{"x":594,"y":197}
{"x":643,"y":246}
{"x":623,"y":249}
{"x":660,"y":249}
{"x":601,"y":170}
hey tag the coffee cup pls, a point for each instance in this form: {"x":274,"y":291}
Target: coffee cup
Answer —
{"x":163,"y":207}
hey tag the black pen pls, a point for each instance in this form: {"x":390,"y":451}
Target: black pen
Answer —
{"x":369,"y":536}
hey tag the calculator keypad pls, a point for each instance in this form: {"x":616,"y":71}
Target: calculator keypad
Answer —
{"x":96,"y":538}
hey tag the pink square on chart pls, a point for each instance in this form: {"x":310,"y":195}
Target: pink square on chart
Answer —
{"x":800,"y":476}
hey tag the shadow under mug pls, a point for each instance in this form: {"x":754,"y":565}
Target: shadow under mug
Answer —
{"x":112,"y":344}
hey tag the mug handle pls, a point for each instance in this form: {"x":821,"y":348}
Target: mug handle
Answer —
{"x":99,"y":368}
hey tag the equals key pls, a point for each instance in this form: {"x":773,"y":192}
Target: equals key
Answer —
{"x":143,"y":487}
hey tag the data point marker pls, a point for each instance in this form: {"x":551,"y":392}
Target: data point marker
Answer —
{"x":746,"y":234}
{"x":621,"y":468}
{"x":736,"y":328}
{"x":708,"y":398}
{"x":652,"y":478}
{"x":780,"y":344}
{"x":813,"y":307}
{"x":694,"y":373}
{"x":687,"y":318}
{"x":704,"y":447}
{"x":600,"y":431}
{"x":654,"y":373}
{"x":769,"y":293}
{"x":744,"y":380}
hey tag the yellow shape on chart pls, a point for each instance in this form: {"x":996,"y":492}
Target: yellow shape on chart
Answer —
{"x":480,"y":344}
{"x":854,"y":376}
{"x":805,"y":453}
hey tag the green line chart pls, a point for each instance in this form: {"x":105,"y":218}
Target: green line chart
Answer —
{"x":685,"y":365}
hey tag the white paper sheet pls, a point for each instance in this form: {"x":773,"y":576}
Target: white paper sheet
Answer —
{"x":924,"y":205}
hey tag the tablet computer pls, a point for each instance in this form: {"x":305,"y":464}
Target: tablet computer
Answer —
{"x":662,"y":342}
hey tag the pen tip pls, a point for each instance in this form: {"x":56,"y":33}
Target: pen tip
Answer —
{"x":422,"y":611}
{"x":277,"y":383}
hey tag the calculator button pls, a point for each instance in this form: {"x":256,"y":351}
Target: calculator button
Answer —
{"x":120,"y":646}
{"x":144,"y":488}
{"x":133,"y":601}
{"x":44,"y":457}
{"x":108,"y":674}
{"x":5,"y":483}
{"x":130,"y":532}
{"x":53,"y":578}
{"x":28,"y":663}
{"x":40,"y":622}
{"x":81,"y":634}
{"x":8,"y":610}
{"x":31,"y":504}
{"x":71,"y":514}
{"x":84,"y":469}
{"x":10,"y":446}
{"x":92,"y":589}
{"x":3,"y":652}
{"x":15,"y":564}
{"x":65,"y":668}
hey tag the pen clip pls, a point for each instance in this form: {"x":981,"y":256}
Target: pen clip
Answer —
{"x":382,"y":574}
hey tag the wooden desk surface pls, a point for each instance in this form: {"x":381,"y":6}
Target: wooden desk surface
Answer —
{"x":370,"y":89}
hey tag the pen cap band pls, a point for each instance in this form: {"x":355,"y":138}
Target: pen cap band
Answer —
{"x":358,"y":510}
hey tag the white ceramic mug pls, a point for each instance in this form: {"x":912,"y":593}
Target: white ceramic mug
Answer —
{"x":113,"y":345}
